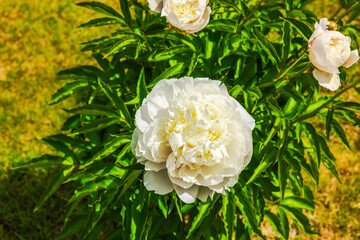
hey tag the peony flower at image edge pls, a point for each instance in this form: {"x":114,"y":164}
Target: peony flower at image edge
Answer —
{"x":329,"y":50}
{"x":192,"y":137}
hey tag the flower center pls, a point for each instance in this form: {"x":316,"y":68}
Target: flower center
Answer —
{"x":186,"y":11}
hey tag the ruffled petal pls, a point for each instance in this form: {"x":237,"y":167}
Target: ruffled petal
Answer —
{"x":328,"y":80}
{"x":204,"y":193}
{"x":155,"y":5}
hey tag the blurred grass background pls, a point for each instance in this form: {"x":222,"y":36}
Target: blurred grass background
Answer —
{"x":40,"y":37}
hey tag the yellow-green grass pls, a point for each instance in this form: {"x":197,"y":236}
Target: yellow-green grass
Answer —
{"x":39,"y":38}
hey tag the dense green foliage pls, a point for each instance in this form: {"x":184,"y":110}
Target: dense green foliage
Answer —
{"x":271,"y":79}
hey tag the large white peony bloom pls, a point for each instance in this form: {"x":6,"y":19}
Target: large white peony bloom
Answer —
{"x":192,"y":137}
{"x":329,"y":50}
{"x":189,"y":15}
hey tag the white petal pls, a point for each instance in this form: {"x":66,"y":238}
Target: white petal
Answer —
{"x":158,"y":182}
{"x":155,"y":5}
{"x":204,"y":193}
{"x":247,"y":118}
{"x":354,"y":57}
{"x":328,"y":80}
{"x":152,"y":166}
{"x":319,"y":29}
{"x":187,"y":195}
{"x":134,"y":139}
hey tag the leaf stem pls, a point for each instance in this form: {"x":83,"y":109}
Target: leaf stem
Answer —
{"x":313,"y":113}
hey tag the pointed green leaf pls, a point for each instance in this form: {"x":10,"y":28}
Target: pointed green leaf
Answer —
{"x":141,"y":86}
{"x":94,"y":109}
{"x":314,"y":137}
{"x":266,"y":45}
{"x":126,"y":11}
{"x":170,"y":72}
{"x":268,"y":159}
{"x":284,"y":223}
{"x":275,"y":223}
{"x":301,"y":27}
{"x":340,"y":133}
{"x":101,"y":8}
{"x":54,"y":185}
{"x":44,"y":161}
{"x":228,"y":210}
{"x":329,"y":118}
{"x":297,"y":202}
{"x":68,"y":90}
{"x":107,"y":150}
{"x":97,"y":125}
{"x":98,"y":22}
{"x":62,"y":149}
{"x":301,"y":220}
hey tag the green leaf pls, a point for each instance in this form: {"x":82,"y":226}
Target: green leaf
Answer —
{"x":275,"y":223}
{"x":44,"y":161}
{"x":301,"y":220}
{"x":123,"y":43}
{"x":301,"y":27}
{"x":98,"y":170}
{"x":117,"y":101}
{"x":77,"y":73}
{"x":107,"y":150}
{"x":352,"y":106}
{"x":97,"y":125}
{"x":282,"y":165}
{"x":96,"y":184}
{"x":266,"y":45}
{"x":268,"y":159}
{"x":61,"y":148}
{"x":329,"y":118}
{"x":129,"y":180}
{"x":325,"y":148}
{"x":228,"y":210}
{"x":247,"y":209}
{"x":102,"y":8}
{"x":73,"y":142}
{"x":94,"y":109}
{"x":169,"y":53}
{"x":284,"y":223}
{"x":340,"y":133}
{"x":224,"y":25}
{"x":98,"y":22}
{"x":99,"y":207}
{"x":204,"y":209}
{"x":297,"y":202}
{"x":54,"y":185}
{"x":73,"y":226}
{"x":68,"y":90}
{"x":170,"y":72}
{"x":126,"y":11}
{"x":286,"y":42}
{"x":141,"y":86}
{"x":315,"y":140}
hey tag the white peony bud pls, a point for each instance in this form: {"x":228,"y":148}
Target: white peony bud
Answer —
{"x":188,"y":15}
{"x":328,"y":50}
{"x":192,"y":137}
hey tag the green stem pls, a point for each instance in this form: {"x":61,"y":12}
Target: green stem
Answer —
{"x":269,"y":84}
{"x":245,"y":19}
{"x":350,"y":9}
{"x":313,"y":113}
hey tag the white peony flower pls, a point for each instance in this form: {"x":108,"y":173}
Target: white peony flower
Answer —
{"x":192,"y":137}
{"x":188,"y":15}
{"x":329,"y":50}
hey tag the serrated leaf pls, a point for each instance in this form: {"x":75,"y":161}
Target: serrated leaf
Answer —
{"x":228,"y":210}
{"x":297,"y":202}
{"x":44,"y":161}
{"x":340,"y":133}
{"x":247,"y":209}
{"x":54,"y":185}
{"x":97,"y":125}
{"x":170,"y":72}
{"x":301,"y":27}
{"x":94,"y":109}
{"x":204,"y":209}
{"x":68,"y":90}
{"x":106,"y":151}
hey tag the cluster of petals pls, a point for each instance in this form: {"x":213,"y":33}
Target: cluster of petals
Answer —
{"x":192,"y":137}
{"x":188,"y":15}
{"x":328,"y":50}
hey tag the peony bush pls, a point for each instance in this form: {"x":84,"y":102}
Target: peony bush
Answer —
{"x":202,"y":118}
